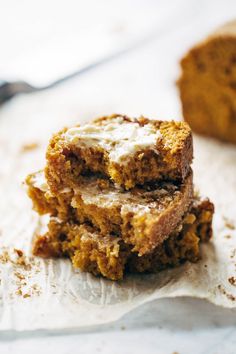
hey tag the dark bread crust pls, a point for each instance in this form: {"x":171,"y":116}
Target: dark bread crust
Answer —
{"x":204,"y":209}
{"x":170,"y":218}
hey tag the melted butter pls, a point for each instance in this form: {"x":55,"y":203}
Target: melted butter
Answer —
{"x":118,"y":137}
{"x":139,"y":203}
{"x":39,"y":181}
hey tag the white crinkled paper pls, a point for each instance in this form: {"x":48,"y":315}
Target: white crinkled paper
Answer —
{"x":49,"y":294}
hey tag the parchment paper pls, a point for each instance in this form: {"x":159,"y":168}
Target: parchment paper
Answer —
{"x":49,"y":294}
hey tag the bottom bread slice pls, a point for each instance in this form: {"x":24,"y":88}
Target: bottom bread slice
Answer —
{"x":109,"y":256}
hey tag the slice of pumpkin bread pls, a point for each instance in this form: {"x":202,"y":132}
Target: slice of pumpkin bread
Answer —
{"x":143,"y":216}
{"x":109,"y":256}
{"x":128,"y":151}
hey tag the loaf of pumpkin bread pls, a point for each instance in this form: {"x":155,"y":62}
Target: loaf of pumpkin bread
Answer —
{"x":208,"y":85}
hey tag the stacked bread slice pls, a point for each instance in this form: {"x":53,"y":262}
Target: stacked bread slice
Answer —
{"x":119,"y":193}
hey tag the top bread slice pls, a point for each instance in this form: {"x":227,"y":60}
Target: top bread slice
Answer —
{"x":128,"y":151}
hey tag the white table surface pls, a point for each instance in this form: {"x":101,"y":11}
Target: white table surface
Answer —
{"x":140,"y":82}
{"x":181,"y":326}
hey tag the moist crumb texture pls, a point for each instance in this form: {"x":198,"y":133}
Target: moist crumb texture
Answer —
{"x":128,"y":151}
{"x":111,"y":257}
{"x":208,"y":85}
{"x":119,"y":196}
{"x":143,"y":216}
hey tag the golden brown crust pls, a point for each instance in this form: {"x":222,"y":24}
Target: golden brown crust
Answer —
{"x":150,"y":231}
{"x":143,"y":216}
{"x":67,"y":161}
{"x":207,"y":85}
{"x":111,"y":257}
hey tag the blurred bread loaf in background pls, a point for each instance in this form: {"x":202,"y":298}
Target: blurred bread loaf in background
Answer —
{"x":208,"y":85}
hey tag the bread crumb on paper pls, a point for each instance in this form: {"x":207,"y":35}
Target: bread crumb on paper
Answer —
{"x":24,"y":268}
{"x":232,"y":280}
{"x":29,"y":147}
{"x":224,"y":292}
